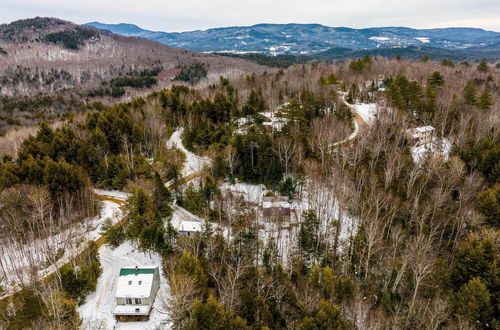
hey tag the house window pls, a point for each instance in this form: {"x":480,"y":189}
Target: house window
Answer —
{"x":137,"y":301}
{"x":128,"y":301}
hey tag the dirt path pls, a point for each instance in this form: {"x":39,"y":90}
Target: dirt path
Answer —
{"x":359,"y":122}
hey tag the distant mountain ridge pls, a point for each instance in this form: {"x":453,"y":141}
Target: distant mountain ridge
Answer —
{"x":310,"y":39}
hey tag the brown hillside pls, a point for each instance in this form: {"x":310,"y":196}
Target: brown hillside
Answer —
{"x":32,"y":64}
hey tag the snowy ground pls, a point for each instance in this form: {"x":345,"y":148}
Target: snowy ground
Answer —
{"x":367,"y":111}
{"x":194,"y":163}
{"x":96,"y":313}
{"x":251,"y":193}
{"x":116,"y":194}
{"x":22,"y":263}
{"x":438,"y":147}
{"x":320,"y":197}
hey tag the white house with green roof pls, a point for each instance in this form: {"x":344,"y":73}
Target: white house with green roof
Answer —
{"x":136,"y":292}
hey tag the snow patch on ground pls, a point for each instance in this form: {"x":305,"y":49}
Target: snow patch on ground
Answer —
{"x":194,"y":163}
{"x":22,"y":263}
{"x":438,"y":147}
{"x":367,"y":111}
{"x":251,"y":193}
{"x":112,"y":193}
{"x":423,"y":39}
{"x":96,"y":313}
{"x":379,"y":39}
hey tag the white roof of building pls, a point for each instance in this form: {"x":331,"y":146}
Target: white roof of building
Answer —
{"x":267,"y":205}
{"x":189,"y":226}
{"x":135,"y":282}
{"x":276,"y":201}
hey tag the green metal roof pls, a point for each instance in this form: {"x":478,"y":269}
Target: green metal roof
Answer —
{"x":136,"y":271}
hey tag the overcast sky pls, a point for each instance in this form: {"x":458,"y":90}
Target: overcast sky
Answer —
{"x":185,"y":15}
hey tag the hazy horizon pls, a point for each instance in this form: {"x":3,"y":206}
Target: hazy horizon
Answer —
{"x":201,"y":15}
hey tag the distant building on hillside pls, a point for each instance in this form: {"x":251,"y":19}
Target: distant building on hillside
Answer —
{"x":189,"y":228}
{"x":421,"y":135}
{"x":276,"y":208}
{"x":274,"y":121}
{"x":136,"y":291}
{"x":186,"y":223}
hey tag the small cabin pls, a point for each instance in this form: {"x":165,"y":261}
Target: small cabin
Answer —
{"x":135,"y":292}
{"x":189,"y":228}
{"x":276,"y":208}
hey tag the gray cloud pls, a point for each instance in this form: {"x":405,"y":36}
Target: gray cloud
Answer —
{"x":168,"y":15}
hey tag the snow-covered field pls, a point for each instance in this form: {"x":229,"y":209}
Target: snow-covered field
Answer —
{"x":96,"y":313}
{"x":438,"y":147}
{"x":194,"y":163}
{"x":22,"y":263}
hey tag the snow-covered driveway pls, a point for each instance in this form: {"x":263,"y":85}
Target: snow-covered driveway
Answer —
{"x":194,"y":163}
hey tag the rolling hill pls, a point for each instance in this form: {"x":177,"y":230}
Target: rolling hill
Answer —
{"x":310,"y":39}
{"x":49,"y":54}
{"x":50,"y":67}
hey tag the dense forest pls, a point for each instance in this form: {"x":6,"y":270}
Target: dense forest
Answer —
{"x":380,"y":239}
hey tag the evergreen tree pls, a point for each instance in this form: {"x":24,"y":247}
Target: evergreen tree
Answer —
{"x":470,"y":93}
{"x":254,"y":105}
{"x":475,"y":258}
{"x":447,"y":62}
{"x":488,"y":203}
{"x":61,"y":177}
{"x":436,"y":79}
{"x":327,"y":317}
{"x":162,"y":198}
{"x":473,"y":302}
{"x":212,"y":316}
{"x":485,"y":100}
{"x":288,"y":187}
{"x":309,"y":238}
{"x":483,"y":66}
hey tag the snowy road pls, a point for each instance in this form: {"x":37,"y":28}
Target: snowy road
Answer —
{"x":194,"y":163}
{"x":361,"y":117}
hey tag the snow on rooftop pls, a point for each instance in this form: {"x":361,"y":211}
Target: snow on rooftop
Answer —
{"x":136,"y":285}
{"x":190,"y":226}
{"x":96,"y":312}
{"x":283,"y":204}
{"x":131,"y":310}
